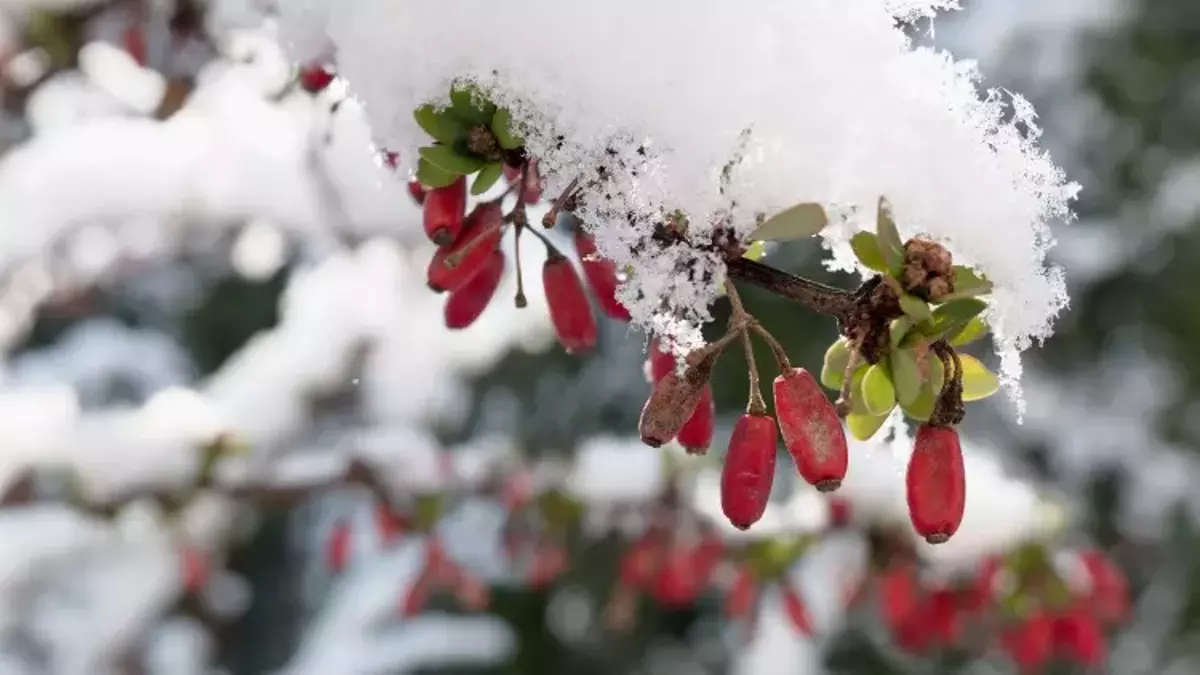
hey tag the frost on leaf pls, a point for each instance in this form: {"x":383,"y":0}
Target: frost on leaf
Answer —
{"x":763,"y":106}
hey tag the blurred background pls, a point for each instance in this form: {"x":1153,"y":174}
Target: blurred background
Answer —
{"x":206,"y":265}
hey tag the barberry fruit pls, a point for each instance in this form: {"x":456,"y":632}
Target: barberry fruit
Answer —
{"x":795,"y":609}
{"x":1030,"y":641}
{"x":898,"y":595}
{"x":337,"y":549}
{"x":194,"y":569}
{"x":453,"y":266}
{"x":1077,"y":636}
{"x":740,"y":598}
{"x":672,"y":403}
{"x":935,"y":483}
{"x":467,"y":303}
{"x":697,"y":432}
{"x":315,"y":78}
{"x":811,"y":429}
{"x":678,"y":581}
{"x":570,"y":312}
{"x":445,"y":209}
{"x":416,"y":191}
{"x":601,"y":275}
{"x":749,"y":470}
{"x":389,"y":524}
{"x":1109,"y":592}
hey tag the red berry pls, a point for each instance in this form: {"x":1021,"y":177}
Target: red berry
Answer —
{"x":467,"y":303}
{"x":740,"y":598}
{"x":531,"y":190}
{"x":337,"y":549}
{"x":390,"y":525}
{"x":898,"y":595}
{"x":601,"y":275}
{"x":472,"y":593}
{"x":1077,"y":636}
{"x":1030,"y":642}
{"x":697,"y":433}
{"x":1109,"y":593}
{"x":416,"y":191}
{"x":315,"y":78}
{"x":512,"y":173}
{"x":982,"y":592}
{"x":680,"y":578}
{"x":570,"y":312}
{"x":943,"y":616}
{"x":793,"y":605}
{"x":662,"y":362}
{"x":391,"y":159}
{"x":640,"y":562}
{"x":194,"y":570}
{"x":936,"y":484}
{"x":416,"y":596}
{"x":840,"y":512}
{"x":549,"y":562}
{"x":749,"y":470}
{"x":445,"y":208}
{"x":480,"y":236}
{"x":811,"y":429}
{"x":134,"y":40}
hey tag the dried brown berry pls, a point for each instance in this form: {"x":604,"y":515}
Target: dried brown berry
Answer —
{"x":673,"y":401}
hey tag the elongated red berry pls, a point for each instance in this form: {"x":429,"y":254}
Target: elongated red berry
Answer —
{"x":640,"y":562}
{"x":678,"y":580}
{"x":936,"y":484}
{"x":797,"y":612}
{"x":532,"y":188}
{"x":389,"y":524}
{"x":133,"y":38}
{"x":1108,"y":596}
{"x":811,"y":429}
{"x":467,"y":303}
{"x":697,"y":433}
{"x":512,"y":173}
{"x":194,"y":570}
{"x":1078,"y":637}
{"x":671,"y":404}
{"x":315,"y":78}
{"x":570,"y":312}
{"x":601,"y":275}
{"x":749,"y":470}
{"x":414,"y":598}
{"x":739,"y":600}
{"x":337,"y":549}
{"x":416,"y":191}
{"x":1030,"y":641}
{"x":445,"y":209}
{"x":454,"y":265}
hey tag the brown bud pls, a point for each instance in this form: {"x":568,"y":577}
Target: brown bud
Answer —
{"x":673,"y":400}
{"x":928,"y":270}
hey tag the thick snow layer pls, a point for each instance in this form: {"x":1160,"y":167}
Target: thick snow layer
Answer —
{"x":840,"y":109}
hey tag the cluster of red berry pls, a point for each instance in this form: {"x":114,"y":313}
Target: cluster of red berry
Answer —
{"x":469,"y":263}
{"x":1018,"y":603}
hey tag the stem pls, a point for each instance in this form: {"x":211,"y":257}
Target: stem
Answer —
{"x":844,"y":403}
{"x":551,"y":216}
{"x":519,"y":299}
{"x":816,"y":296}
{"x":454,"y":259}
{"x":739,"y":324}
{"x":781,"y":357}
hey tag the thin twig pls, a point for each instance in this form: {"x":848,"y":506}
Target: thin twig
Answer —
{"x":739,"y":324}
{"x":816,"y":296}
{"x":551,"y":217}
{"x":781,"y":357}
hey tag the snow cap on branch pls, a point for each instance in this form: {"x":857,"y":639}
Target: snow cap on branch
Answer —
{"x":823,"y":101}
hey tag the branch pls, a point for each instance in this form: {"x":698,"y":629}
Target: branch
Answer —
{"x":815,"y":296}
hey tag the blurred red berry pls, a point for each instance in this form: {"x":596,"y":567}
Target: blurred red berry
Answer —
{"x":1108,"y":596}
{"x":337,"y":548}
{"x":574,"y":323}
{"x":416,"y":191}
{"x":739,"y":600}
{"x":797,"y":612}
{"x":194,"y":569}
{"x":467,"y":303}
{"x":811,"y":429}
{"x":315,"y":78}
{"x":1030,"y":641}
{"x":1078,"y":637}
{"x":640,"y":562}
{"x":899,"y":595}
{"x":549,"y":562}
{"x":936,"y":484}
{"x":133,"y":39}
{"x":749,"y":470}
{"x":390,"y":525}
{"x":444,"y":212}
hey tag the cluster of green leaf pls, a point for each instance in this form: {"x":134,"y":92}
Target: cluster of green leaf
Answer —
{"x":452,"y":127}
{"x":910,"y":374}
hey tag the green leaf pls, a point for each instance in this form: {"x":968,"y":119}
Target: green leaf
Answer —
{"x":878,"y":390}
{"x":756,"y":251}
{"x":449,"y":161}
{"x":890,"y":245}
{"x":906,"y":375}
{"x":978,"y":382}
{"x":863,"y":427}
{"x":441,"y":126}
{"x":975,"y":329}
{"x":797,"y":222}
{"x":898,"y":329}
{"x":433,"y":177}
{"x":866,"y":247}
{"x":503,"y":131}
{"x":968,"y":283}
{"x":469,"y":106}
{"x":833,"y":372}
{"x":915,"y":308}
{"x":953,"y":316}
{"x":857,"y":404}
{"x":488,"y":176}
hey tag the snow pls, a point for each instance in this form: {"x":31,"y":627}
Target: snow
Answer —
{"x":841,"y":108}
